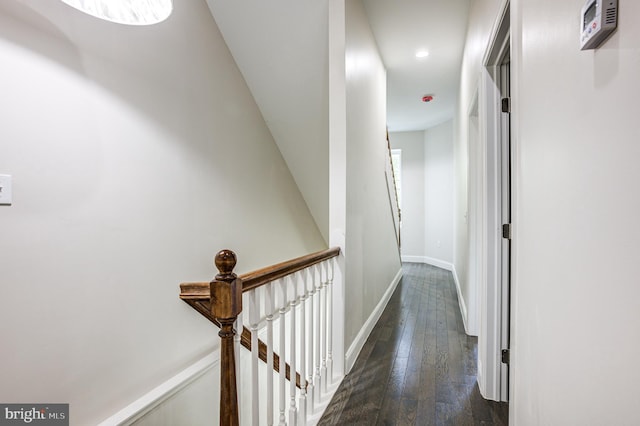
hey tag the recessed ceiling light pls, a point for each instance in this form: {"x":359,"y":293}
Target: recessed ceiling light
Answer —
{"x":128,"y":12}
{"x":421,"y":54}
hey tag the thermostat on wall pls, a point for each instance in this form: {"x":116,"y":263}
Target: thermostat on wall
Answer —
{"x":599,"y":20}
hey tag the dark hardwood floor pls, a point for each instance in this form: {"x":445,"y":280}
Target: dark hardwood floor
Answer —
{"x":418,"y":366}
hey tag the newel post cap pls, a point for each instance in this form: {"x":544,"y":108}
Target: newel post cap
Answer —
{"x":225,"y":261}
{"x":226,"y":288}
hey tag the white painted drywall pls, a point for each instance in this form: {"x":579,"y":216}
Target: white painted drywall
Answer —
{"x":574,"y":292}
{"x":196,"y":404}
{"x":136,"y":154}
{"x":414,"y":219}
{"x":439,"y":192}
{"x":372,"y":258}
{"x":577,"y":143}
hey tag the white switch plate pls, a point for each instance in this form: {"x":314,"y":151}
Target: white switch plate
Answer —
{"x":5,"y":190}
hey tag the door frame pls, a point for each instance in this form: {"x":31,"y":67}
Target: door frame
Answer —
{"x":493,"y":375}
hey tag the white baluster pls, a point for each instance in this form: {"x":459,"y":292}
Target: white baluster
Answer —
{"x":292,"y":356}
{"x":282,"y":350}
{"x":323,"y":327}
{"x":302,"y":401}
{"x":269,"y":310}
{"x":238,"y":325}
{"x":317,"y":282}
{"x":254,"y":318}
{"x":310,"y":346}
{"x":331,"y":265}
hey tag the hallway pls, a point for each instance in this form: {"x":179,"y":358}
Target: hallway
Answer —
{"x":418,"y":366}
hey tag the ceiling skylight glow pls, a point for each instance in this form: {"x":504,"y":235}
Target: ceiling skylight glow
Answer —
{"x":421,"y":54}
{"x":128,"y":12}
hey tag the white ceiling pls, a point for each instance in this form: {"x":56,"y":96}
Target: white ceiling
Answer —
{"x":401,"y":27}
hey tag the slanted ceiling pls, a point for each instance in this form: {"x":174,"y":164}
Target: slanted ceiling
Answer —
{"x":281,"y":49}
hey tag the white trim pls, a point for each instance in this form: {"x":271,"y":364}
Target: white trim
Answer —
{"x":363,"y":335}
{"x":495,"y":32}
{"x":489,"y":362}
{"x":439,"y":263}
{"x":463,"y":306}
{"x":163,"y":392}
{"x":430,"y":261}
{"x":476,"y":212}
{"x":314,"y":418}
{"x":414,"y":259}
{"x":492,"y":374}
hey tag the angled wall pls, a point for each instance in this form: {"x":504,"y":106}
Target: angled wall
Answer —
{"x":282,"y":49}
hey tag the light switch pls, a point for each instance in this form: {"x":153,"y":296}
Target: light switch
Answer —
{"x":5,"y":190}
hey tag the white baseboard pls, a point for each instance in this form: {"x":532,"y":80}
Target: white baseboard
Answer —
{"x":325,"y":400}
{"x":414,"y":259}
{"x":163,"y":392}
{"x":363,"y":335}
{"x":463,"y":306}
{"x":430,"y":261}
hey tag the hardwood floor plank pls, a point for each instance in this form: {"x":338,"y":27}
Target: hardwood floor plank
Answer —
{"x":418,"y":367}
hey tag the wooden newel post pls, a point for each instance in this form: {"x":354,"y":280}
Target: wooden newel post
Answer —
{"x":226,"y":305}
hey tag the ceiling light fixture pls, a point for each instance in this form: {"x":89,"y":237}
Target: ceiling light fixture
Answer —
{"x":421,"y":54}
{"x":128,"y":12}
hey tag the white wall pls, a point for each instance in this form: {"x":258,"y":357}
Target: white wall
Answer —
{"x":412,"y":233}
{"x":575,"y":292}
{"x":439,"y":190}
{"x":372,"y":259}
{"x":136,"y":154}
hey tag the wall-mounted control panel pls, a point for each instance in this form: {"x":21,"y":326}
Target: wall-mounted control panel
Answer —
{"x":5,"y":190}
{"x":599,"y":18}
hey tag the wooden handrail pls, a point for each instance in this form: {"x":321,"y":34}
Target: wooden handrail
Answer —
{"x":260,"y":277}
{"x":266,"y":275}
{"x":395,"y":190}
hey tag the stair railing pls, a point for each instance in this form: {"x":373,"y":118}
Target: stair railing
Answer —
{"x":392,"y":188}
{"x":290,"y":303}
